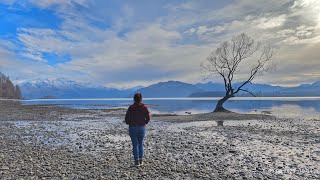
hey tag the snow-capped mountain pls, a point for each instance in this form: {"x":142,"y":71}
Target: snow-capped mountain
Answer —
{"x":58,"y":83}
{"x":64,"y":88}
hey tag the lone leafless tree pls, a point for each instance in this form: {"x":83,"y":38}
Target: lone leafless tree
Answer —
{"x":225,"y":61}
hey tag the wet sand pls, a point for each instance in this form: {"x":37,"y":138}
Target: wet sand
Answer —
{"x":49,"y":142}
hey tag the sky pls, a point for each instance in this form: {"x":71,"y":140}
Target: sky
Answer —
{"x":128,"y":43}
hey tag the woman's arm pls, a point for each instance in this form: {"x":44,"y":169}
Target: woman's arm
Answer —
{"x":147,"y":115}
{"x":127,"y":118}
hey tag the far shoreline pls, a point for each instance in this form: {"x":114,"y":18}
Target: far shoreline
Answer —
{"x":182,"y":98}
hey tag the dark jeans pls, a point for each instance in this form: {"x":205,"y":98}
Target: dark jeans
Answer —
{"x":137,"y":134}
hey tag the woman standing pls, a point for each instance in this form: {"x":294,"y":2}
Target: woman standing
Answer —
{"x":137,"y":117}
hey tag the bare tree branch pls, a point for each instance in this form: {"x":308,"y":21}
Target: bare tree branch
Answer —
{"x":248,"y":92}
{"x":226,"y":60}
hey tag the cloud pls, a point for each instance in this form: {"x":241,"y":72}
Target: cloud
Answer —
{"x":38,"y":41}
{"x":267,"y":23}
{"x":203,"y":29}
{"x":6,"y":44}
{"x":36,"y":57}
{"x":301,"y":35}
{"x":212,"y":12}
{"x":299,"y":7}
{"x":50,"y":3}
{"x":11,"y":65}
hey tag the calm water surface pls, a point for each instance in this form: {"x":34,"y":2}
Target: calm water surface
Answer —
{"x":302,"y":107}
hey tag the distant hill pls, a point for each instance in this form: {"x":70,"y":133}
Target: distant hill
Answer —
{"x":261,"y":90}
{"x":169,"y":89}
{"x":210,"y":86}
{"x":8,"y":89}
{"x":208,"y":94}
{"x":302,"y":90}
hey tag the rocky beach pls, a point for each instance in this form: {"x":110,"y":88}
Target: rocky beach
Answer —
{"x":52,"y":142}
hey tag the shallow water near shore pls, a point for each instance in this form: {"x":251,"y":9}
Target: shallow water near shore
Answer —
{"x":295,"y":107}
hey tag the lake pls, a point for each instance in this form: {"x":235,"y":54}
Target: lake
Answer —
{"x":301,"y":107}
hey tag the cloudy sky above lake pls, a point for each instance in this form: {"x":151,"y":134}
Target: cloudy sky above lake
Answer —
{"x":128,"y":43}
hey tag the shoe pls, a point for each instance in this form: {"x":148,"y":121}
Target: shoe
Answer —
{"x":141,"y":162}
{"x":136,"y":163}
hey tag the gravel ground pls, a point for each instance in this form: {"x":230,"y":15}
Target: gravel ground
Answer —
{"x":48,"y":142}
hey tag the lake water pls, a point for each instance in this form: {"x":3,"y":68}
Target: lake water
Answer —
{"x":301,"y":107}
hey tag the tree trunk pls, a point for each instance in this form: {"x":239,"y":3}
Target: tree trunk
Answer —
{"x":219,"y":106}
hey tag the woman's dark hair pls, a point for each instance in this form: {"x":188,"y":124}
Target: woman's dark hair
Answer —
{"x":137,"y":97}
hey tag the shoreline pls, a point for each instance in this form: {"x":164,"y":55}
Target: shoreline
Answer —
{"x":56,"y":142}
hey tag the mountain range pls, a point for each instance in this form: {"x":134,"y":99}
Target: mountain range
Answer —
{"x":63,"y":88}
